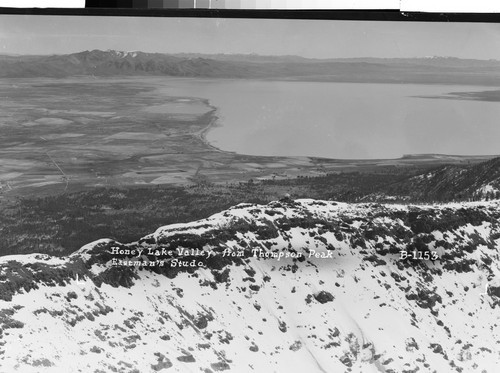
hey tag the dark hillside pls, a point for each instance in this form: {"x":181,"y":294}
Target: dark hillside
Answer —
{"x":452,"y":183}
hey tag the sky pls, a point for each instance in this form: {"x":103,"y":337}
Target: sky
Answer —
{"x":25,"y":34}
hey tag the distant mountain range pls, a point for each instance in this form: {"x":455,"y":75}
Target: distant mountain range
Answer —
{"x":445,"y":70}
{"x":291,"y":286}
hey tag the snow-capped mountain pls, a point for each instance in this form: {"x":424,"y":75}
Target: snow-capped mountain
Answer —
{"x":123,"y":54}
{"x":292,"y":286}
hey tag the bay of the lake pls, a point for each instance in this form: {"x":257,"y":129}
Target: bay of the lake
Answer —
{"x":344,"y":120}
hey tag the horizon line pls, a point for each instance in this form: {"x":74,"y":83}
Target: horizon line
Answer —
{"x":252,"y":54}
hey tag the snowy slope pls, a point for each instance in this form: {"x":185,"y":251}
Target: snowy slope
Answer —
{"x":342,"y":301}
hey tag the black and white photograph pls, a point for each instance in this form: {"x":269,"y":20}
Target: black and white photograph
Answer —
{"x":210,"y":194}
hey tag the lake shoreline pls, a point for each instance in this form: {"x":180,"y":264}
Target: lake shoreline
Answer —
{"x":172,"y":149}
{"x":341,"y":121}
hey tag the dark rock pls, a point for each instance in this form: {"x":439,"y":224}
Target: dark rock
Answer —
{"x":324,"y":297}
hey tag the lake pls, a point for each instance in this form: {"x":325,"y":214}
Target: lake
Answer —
{"x":344,"y":120}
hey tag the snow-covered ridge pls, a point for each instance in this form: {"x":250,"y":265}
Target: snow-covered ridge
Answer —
{"x":123,"y":54}
{"x":344,"y":299}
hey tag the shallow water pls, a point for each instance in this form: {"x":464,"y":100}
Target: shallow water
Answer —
{"x":344,"y":120}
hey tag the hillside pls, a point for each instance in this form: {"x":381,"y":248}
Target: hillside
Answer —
{"x":59,"y":224}
{"x":479,"y":181}
{"x":291,"y":286}
{"x":382,"y":70}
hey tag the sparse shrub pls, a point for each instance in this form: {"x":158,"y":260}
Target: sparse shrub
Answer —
{"x":186,"y":358}
{"x":220,"y":366}
{"x":71,"y":295}
{"x":96,"y":350}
